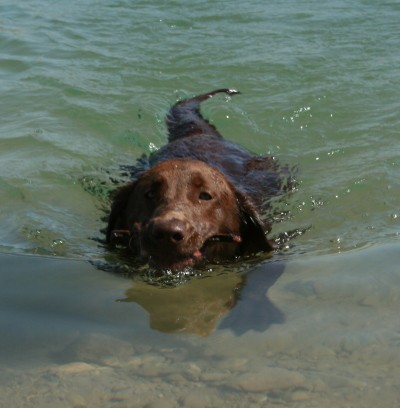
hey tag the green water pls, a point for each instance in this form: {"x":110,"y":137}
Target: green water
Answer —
{"x":85,"y":87}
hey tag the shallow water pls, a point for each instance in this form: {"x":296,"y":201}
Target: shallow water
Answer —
{"x":316,"y":331}
{"x":85,"y":88}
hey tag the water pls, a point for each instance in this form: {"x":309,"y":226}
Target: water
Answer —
{"x":85,"y":87}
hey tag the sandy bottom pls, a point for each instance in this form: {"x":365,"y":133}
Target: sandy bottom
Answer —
{"x":318,"y":332}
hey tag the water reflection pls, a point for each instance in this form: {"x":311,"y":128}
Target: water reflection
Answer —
{"x":254,"y":310}
{"x":198,"y":305}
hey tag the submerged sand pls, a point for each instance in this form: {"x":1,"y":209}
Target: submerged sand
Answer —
{"x":71,"y":338}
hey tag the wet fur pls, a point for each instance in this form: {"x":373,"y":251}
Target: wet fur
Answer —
{"x":201,"y":199}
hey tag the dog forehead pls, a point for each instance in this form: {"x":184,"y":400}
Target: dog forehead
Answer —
{"x":192,"y":170}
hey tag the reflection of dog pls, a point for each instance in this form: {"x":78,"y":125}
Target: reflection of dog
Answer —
{"x":197,"y":306}
{"x":200,"y":200}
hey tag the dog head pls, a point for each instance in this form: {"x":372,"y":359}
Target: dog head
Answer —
{"x":181,"y":212}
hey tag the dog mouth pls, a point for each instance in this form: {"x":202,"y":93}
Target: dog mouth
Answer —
{"x":210,"y":249}
{"x":122,"y":238}
{"x":213,"y":247}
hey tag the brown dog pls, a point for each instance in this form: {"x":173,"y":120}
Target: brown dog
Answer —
{"x":201,"y":199}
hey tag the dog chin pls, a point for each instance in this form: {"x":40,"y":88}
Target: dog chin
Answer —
{"x":177,"y":263}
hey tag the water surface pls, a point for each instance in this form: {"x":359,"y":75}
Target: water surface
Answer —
{"x":85,"y":87}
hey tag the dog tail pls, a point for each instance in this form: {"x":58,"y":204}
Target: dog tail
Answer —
{"x":184,"y":118}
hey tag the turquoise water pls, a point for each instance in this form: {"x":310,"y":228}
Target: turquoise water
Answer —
{"x":85,"y":87}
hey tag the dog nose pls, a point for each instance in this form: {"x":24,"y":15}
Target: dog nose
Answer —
{"x":168,"y":231}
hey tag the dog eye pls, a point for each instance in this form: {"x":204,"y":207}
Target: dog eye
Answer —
{"x":152,"y":190}
{"x":150,"y":195}
{"x":205,"y":196}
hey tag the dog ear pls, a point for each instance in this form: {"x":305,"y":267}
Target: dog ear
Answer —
{"x":253,"y":228}
{"x":117,"y":219}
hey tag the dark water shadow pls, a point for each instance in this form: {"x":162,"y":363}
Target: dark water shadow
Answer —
{"x":254,"y":310}
{"x":222,"y":299}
